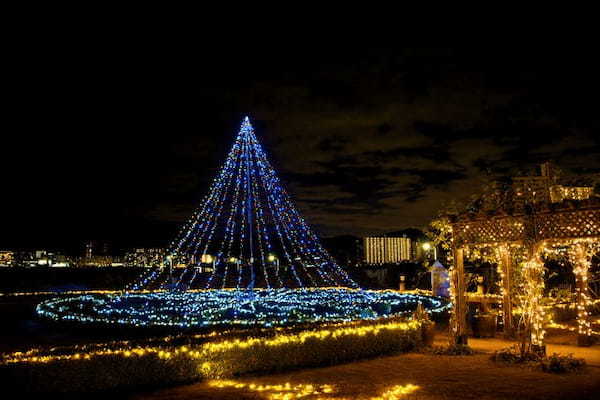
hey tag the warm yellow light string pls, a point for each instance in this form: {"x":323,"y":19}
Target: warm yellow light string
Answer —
{"x":203,"y":350}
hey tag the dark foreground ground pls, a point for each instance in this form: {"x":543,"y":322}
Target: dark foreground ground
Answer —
{"x":435,"y":377}
{"x":414,"y":376}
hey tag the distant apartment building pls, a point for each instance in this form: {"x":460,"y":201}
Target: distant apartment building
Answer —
{"x":96,"y":253}
{"x":548,"y":187}
{"x":387,"y":250}
{"x":92,"y":248}
{"x":39,"y":258}
{"x":145,"y":257}
{"x":559,"y":193}
{"x":7,"y":258}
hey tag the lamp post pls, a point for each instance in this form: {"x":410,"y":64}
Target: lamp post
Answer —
{"x":170,"y":262}
{"x":272,"y":258}
{"x":208,"y":259}
{"x":427,"y":247}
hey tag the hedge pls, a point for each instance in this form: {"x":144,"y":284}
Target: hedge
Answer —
{"x":152,"y":367}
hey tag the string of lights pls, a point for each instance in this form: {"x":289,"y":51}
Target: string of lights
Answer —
{"x":265,"y":307}
{"x":212,"y":349}
{"x":247,"y":233}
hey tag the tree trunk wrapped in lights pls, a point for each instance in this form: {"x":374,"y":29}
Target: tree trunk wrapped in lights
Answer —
{"x":580,"y":259}
{"x":531,"y":303}
{"x":505,"y":271}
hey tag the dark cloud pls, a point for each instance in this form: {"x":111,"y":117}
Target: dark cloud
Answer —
{"x":366,"y":142}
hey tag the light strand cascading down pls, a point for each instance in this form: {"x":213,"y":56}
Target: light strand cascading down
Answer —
{"x":246,"y":234}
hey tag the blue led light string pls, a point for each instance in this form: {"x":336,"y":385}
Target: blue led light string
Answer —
{"x":219,"y":253}
{"x":303,"y":241}
{"x":291,"y":228}
{"x":249,"y":184}
{"x":285,"y":210}
{"x":192,"y":224}
{"x":249,"y":208}
{"x":287,"y":225}
{"x":260,"y":225}
{"x":208,"y":205}
{"x":302,"y":224}
{"x":209,"y":308}
{"x":268,"y":189}
{"x":240,"y":205}
{"x":243,"y":214}
{"x":143,"y":279}
{"x":232,"y":160}
{"x":229,"y":228}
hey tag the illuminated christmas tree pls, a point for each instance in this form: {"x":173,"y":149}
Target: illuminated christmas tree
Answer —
{"x":246,"y":234}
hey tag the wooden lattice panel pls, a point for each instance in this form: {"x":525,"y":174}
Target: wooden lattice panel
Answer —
{"x":563,"y":224}
{"x":568,"y":224}
{"x":492,"y":230}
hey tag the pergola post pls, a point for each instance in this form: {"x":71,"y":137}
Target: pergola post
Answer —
{"x":581,"y":266}
{"x":507,"y":272}
{"x":459,"y":321}
{"x":533,"y":273}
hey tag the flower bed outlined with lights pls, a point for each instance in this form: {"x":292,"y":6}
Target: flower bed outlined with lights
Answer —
{"x":259,"y":307}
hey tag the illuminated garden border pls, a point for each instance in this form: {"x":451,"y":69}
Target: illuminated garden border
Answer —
{"x":259,"y":307}
{"x":102,"y":367}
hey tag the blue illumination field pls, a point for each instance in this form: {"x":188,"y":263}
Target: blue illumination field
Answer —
{"x":259,"y":307}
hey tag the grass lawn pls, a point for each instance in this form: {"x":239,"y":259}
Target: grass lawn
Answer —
{"x":437,"y":377}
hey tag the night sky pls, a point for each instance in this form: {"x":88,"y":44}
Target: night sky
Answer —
{"x":120,"y":141}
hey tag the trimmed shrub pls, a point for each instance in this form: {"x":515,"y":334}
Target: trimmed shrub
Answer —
{"x":311,"y":349}
{"x":514,"y":355}
{"x":161,"y":366}
{"x":560,"y":364}
{"x":99,"y":373}
{"x":563,"y":314}
{"x":453,"y":350}
{"x":556,"y":363}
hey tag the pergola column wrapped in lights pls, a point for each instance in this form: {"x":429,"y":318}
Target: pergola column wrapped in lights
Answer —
{"x":571,"y":228}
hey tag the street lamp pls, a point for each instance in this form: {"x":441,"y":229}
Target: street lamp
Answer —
{"x":427,"y":247}
{"x":273,"y":259}
{"x":208,"y":259}
{"x":170,"y":262}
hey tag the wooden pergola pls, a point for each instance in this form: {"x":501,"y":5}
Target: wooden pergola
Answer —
{"x":571,"y":227}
